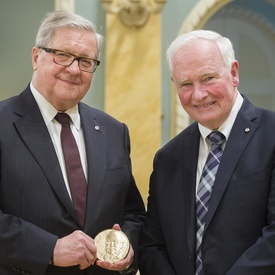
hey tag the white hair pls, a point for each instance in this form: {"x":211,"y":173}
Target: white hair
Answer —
{"x":224,"y":45}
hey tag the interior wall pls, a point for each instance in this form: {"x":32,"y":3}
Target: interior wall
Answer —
{"x":133,"y":82}
{"x":19,"y":21}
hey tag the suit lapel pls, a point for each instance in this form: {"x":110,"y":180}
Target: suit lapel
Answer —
{"x":240,"y":135}
{"x":34,"y":133}
{"x":190,"y":159}
{"x":94,"y":135}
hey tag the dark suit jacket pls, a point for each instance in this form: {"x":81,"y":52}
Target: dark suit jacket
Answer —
{"x":239,"y":236}
{"x":35,"y":208}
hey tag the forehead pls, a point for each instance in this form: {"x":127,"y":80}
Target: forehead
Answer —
{"x":197,"y":57}
{"x":198,"y":50}
{"x":72,"y":38}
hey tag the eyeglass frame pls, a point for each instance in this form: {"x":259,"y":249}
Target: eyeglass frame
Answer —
{"x":78,"y":58}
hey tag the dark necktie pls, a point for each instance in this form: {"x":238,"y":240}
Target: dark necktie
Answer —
{"x":205,"y":189}
{"x":75,"y":174}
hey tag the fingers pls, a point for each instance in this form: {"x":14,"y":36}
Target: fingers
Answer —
{"x":118,"y":266}
{"x":75,"y":249}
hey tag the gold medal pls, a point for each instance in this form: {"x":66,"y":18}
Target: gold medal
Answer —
{"x":112,"y":245}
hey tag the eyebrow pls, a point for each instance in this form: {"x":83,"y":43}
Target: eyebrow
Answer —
{"x":65,"y":51}
{"x":205,"y":74}
{"x":208,"y":73}
{"x":75,"y":55}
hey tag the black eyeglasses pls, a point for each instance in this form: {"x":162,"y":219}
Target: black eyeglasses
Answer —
{"x":64,"y":58}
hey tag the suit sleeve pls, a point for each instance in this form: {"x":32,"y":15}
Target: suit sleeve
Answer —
{"x":24,"y":246}
{"x":259,"y":257}
{"x":134,"y":211}
{"x":154,"y":259}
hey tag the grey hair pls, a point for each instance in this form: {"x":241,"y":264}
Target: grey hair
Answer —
{"x":63,"y":19}
{"x":224,"y":45}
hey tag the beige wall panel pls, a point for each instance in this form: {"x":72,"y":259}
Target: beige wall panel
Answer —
{"x":133,"y":89}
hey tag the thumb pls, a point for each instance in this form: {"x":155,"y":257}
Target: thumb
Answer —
{"x":116,"y":227}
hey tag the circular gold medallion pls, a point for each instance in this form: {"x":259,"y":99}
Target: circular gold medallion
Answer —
{"x":112,"y":245}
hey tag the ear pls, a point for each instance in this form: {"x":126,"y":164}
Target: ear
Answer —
{"x":235,"y":73}
{"x":35,"y":54}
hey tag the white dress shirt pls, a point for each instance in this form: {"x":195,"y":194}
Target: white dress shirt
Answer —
{"x":54,"y":127}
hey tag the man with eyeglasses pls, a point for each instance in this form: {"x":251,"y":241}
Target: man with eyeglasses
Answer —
{"x":47,"y":223}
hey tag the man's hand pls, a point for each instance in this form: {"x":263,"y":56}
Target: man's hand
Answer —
{"x":75,"y":249}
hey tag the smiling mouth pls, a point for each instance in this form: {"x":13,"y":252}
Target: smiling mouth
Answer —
{"x":206,"y":105}
{"x":69,"y":81}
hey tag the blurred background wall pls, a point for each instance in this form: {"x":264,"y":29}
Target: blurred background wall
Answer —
{"x":132,"y":82}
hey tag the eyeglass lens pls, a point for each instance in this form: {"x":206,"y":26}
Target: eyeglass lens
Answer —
{"x":66,"y":59}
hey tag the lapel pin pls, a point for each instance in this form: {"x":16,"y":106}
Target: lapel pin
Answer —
{"x":246,"y":130}
{"x":97,"y":128}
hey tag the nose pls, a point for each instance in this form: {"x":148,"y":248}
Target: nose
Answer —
{"x":74,"y":67}
{"x":199,"y":92}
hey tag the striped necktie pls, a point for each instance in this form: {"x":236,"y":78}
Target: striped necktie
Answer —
{"x":205,"y":189}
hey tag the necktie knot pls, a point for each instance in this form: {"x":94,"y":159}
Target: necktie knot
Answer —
{"x":63,"y":118}
{"x":216,"y":137}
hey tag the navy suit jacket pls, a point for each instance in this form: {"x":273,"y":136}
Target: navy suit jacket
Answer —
{"x":239,"y":237}
{"x":35,"y":208}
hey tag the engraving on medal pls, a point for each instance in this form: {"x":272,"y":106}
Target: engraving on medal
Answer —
{"x":112,"y":245}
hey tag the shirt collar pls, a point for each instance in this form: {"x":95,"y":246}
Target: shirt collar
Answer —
{"x":228,"y":124}
{"x":48,"y":111}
